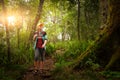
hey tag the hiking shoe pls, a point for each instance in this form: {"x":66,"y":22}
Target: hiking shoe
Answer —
{"x":35,"y":71}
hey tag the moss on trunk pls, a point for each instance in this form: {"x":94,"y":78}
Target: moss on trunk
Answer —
{"x":107,"y":45}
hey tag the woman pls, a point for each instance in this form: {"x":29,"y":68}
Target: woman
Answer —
{"x":40,"y":38}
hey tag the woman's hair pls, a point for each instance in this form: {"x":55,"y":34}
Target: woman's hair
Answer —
{"x":40,"y":25}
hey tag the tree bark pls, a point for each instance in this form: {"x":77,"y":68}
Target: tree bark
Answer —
{"x":86,"y":17}
{"x":103,"y":11}
{"x":78,"y":22}
{"x":37,"y":18}
{"x":107,"y":45}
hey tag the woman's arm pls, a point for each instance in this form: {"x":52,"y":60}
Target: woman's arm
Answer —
{"x":34,"y":37}
{"x":44,"y":43}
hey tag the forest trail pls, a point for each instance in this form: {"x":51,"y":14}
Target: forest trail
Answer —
{"x":49,"y":66}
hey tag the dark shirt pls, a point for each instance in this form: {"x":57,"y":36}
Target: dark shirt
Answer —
{"x":39,"y":43}
{"x":40,"y":39}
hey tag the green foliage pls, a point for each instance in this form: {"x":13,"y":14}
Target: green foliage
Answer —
{"x":61,"y":64}
{"x":68,"y":52}
{"x":2,"y":73}
{"x":3,"y":55}
{"x":111,"y":75}
{"x":12,"y":72}
{"x":20,"y":56}
{"x":75,"y":48}
{"x":66,"y":74}
{"x":50,"y":49}
{"x":91,"y":65}
{"x":61,"y":45}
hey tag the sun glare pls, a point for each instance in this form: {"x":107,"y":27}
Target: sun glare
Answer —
{"x":11,"y":20}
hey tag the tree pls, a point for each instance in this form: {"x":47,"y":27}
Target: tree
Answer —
{"x":37,"y":18}
{"x":5,"y":22}
{"x":91,"y":19}
{"x":107,"y":45}
{"x":103,"y":11}
{"x":78,"y":23}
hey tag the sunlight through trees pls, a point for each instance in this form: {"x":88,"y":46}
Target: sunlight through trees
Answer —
{"x":84,"y":33}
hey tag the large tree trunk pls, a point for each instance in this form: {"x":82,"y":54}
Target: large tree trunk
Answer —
{"x":107,"y":45}
{"x":5,"y":22}
{"x":37,"y":18}
{"x":103,"y":5}
{"x":114,"y":36}
{"x":103,"y":11}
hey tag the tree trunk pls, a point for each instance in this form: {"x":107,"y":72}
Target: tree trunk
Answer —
{"x":86,"y":13}
{"x":107,"y":45}
{"x":86,"y":17}
{"x":78,"y":22}
{"x":114,"y":37}
{"x":37,"y":18}
{"x":18,"y":37}
{"x":5,"y":22}
{"x":103,"y":13}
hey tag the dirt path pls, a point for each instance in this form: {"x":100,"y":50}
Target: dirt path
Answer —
{"x":49,"y":66}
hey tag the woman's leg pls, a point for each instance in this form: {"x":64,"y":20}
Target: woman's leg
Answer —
{"x":36,"y":59}
{"x":42,"y":54}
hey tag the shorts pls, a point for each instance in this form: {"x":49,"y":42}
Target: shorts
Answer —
{"x":39,"y":54}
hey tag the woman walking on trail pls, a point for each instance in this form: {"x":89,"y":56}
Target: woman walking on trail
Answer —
{"x":40,"y":38}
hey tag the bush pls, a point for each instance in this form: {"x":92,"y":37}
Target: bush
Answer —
{"x":50,"y":48}
{"x":111,"y":75}
{"x":73,"y":49}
